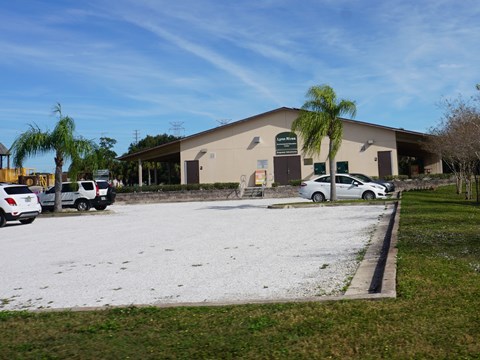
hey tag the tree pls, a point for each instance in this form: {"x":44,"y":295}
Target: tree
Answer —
{"x":456,"y":139}
{"x":150,"y":141}
{"x":320,"y":117}
{"x":61,"y":141}
{"x":163,"y":172}
{"x":101,"y":157}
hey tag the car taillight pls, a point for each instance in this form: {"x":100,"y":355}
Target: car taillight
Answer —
{"x":11,"y":202}
{"x":97,"y":189}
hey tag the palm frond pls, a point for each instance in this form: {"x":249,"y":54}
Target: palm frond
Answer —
{"x":319,"y":117}
{"x":30,"y":143}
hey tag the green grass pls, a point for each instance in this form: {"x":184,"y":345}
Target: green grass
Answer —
{"x":436,"y":314}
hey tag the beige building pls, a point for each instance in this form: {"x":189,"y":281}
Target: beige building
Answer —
{"x":262,"y":149}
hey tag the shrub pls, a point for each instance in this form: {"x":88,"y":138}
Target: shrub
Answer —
{"x":396,"y":177}
{"x":295,"y":182}
{"x":176,"y":187}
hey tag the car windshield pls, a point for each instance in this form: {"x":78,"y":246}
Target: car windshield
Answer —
{"x":17,"y":190}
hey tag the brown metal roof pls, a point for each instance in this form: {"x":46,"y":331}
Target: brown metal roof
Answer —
{"x":3,"y":150}
{"x":171,"y":151}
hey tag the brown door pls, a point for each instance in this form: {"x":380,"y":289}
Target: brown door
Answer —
{"x":193,"y":173}
{"x":384,"y":164}
{"x":287,"y":168}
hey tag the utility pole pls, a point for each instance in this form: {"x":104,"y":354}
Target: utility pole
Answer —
{"x":222,"y":122}
{"x":135,"y":135}
{"x":177,"y":129}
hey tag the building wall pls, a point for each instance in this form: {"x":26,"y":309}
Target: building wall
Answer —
{"x":360,"y":146}
{"x":229,"y":153}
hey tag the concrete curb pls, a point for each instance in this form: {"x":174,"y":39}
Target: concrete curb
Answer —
{"x":376,"y":274}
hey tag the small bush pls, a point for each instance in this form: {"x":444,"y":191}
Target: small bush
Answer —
{"x":176,"y":187}
{"x":295,"y":182}
{"x":418,"y":177}
{"x":396,"y":177}
{"x":440,"y":176}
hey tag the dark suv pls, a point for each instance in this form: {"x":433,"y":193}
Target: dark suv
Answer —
{"x":106,"y":195}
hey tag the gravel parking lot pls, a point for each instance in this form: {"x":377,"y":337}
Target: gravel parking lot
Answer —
{"x":222,"y":251}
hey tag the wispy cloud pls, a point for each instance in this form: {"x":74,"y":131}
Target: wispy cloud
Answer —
{"x":212,"y":57}
{"x":119,"y":65}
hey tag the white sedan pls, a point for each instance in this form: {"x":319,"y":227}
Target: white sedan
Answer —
{"x":348,"y":187}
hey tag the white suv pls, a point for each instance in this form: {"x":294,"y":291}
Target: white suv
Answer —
{"x":81,"y":195}
{"x":18,"y":202}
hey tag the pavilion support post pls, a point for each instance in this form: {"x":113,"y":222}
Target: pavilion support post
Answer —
{"x":140,"y":171}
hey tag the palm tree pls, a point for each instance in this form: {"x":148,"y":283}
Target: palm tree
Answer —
{"x":61,"y":140}
{"x":320,"y":117}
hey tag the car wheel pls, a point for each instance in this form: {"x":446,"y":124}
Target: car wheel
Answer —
{"x":318,"y":197}
{"x":27,"y":221}
{"x":103,"y":207}
{"x":368,"y":195}
{"x":3,"y":219}
{"x":82,"y":205}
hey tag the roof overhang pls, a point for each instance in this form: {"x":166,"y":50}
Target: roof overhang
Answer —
{"x":410,"y":143}
{"x":169,"y":152}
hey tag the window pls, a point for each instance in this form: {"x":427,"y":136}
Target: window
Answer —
{"x":102,"y":185}
{"x":87,"y":185}
{"x":66,"y":188}
{"x":342,"y":167}
{"x":17,"y":190}
{"x":323,"y":179}
{"x":262,"y":164}
{"x":344,"y":180}
{"x":319,"y":168}
{"x":308,"y":161}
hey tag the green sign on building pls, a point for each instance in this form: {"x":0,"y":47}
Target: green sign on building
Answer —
{"x":286,"y":143}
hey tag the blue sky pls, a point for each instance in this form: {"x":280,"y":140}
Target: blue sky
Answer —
{"x":120,"y":66}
